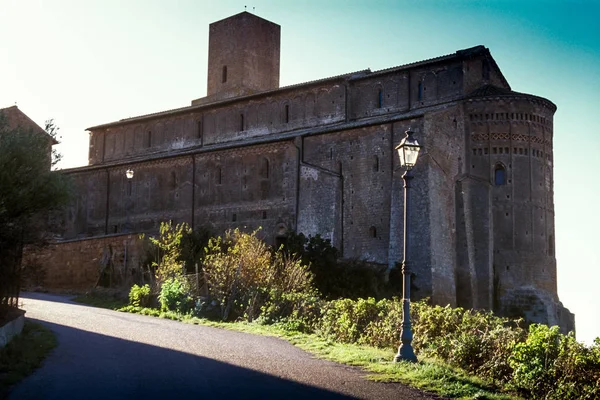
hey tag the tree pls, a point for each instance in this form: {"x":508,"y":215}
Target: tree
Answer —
{"x":29,"y":191}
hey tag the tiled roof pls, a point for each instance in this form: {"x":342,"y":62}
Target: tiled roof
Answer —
{"x":495,"y":91}
{"x":458,"y":55}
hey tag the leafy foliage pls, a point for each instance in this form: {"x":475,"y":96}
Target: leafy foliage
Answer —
{"x":549,"y":365}
{"x":243,"y":276}
{"x":174,"y":296}
{"x":29,"y":192}
{"x":336,"y":278}
{"x":28,"y":189}
{"x":168,"y":244}
{"x":139,"y":296}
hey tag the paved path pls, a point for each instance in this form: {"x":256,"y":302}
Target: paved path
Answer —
{"x":104,"y":354}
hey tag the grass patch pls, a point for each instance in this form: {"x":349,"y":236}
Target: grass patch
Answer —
{"x":101,"y":301}
{"x":24,"y":354}
{"x":428,"y":375}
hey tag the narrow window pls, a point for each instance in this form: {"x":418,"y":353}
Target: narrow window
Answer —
{"x":224,"y":73}
{"x":550,"y":245}
{"x":264,"y":215}
{"x":331,"y":153}
{"x":241,"y":122}
{"x":380,"y":98}
{"x":375,"y":163}
{"x":200,"y":128}
{"x":128,"y":187}
{"x":499,"y":175}
{"x":495,"y":150}
{"x":149,"y":139}
{"x":485,"y":70}
{"x":234,"y":217}
{"x":219,"y":176}
{"x":373,"y":232}
{"x":287,"y":113}
{"x":420,"y":93}
{"x":264,"y":168}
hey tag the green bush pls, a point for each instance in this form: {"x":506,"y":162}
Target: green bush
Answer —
{"x":346,"y":320}
{"x":243,"y":275}
{"x":337,"y":279}
{"x":476,"y":341}
{"x":139,"y":296}
{"x":174,"y":296}
{"x":549,"y":365}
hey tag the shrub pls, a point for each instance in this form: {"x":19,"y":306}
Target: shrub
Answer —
{"x":139,"y":296}
{"x":550,"y":365}
{"x":335,"y":278}
{"x":168,"y":245}
{"x":345,"y":320}
{"x":476,"y":341}
{"x":174,"y":296}
{"x":246,"y":279}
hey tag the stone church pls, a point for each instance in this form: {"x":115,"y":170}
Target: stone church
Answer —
{"x":318,"y":158}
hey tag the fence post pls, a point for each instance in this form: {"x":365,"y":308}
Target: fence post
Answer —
{"x":197,"y":280}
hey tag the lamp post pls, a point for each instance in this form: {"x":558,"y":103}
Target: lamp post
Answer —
{"x":129,"y":176}
{"x":408,"y":152}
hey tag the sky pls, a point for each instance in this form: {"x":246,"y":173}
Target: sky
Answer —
{"x":89,"y":62}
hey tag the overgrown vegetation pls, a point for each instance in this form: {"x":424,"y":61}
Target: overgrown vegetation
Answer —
{"x":24,"y":354}
{"x":29,"y":192}
{"x":463,"y":353}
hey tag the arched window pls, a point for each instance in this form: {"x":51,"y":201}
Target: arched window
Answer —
{"x":499,"y":175}
{"x":420,"y":91}
{"x":219,"y":176}
{"x":224,"y":73}
{"x":380,"y":98}
{"x":287,"y":113}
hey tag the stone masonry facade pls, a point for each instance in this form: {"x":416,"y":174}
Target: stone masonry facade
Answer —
{"x":319,"y":158}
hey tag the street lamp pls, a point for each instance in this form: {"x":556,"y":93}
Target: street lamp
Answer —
{"x":408,"y":152}
{"x":129,"y":176}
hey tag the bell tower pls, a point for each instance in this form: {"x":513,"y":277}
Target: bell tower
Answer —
{"x":243,"y":56}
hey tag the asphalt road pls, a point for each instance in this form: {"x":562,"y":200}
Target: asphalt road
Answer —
{"x":103,"y":354}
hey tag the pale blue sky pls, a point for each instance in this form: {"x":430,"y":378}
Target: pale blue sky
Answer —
{"x":89,"y":62}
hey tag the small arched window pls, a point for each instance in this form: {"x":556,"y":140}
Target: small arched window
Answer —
{"x":224,"y":73}
{"x":380,"y":98}
{"x":499,"y":175}
{"x":420,"y":91}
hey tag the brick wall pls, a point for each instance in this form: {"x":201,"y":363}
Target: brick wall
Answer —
{"x":76,"y":265}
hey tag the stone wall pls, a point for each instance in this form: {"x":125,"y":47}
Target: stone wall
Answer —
{"x":77,"y":265}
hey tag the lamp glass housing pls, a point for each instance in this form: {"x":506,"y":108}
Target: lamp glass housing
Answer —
{"x":129,"y":173}
{"x":408,"y":151}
